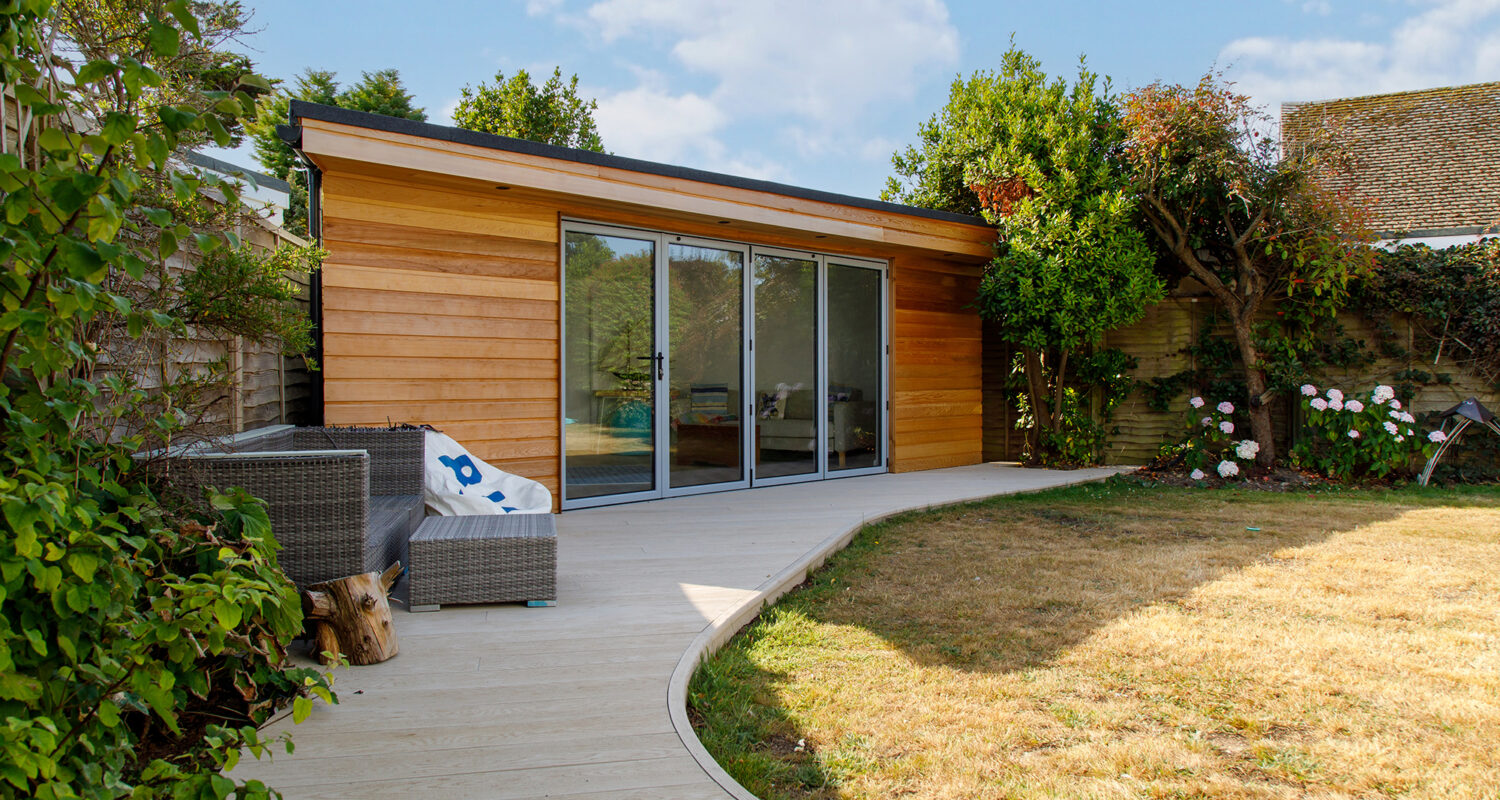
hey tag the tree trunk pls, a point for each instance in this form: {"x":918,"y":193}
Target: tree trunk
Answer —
{"x":1036,"y":392}
{"x":1255,"y":383}
{"x":352,"y":616}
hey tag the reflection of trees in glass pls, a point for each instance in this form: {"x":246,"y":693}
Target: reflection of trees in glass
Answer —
{"x":609,"y":310}
{"x":785,"y":304}
{"x":705,"y":319}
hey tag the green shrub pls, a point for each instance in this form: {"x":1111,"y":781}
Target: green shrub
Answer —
{"x":1347,"y":438}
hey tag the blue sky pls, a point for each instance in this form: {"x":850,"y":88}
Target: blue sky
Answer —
{"x":818,"y":93}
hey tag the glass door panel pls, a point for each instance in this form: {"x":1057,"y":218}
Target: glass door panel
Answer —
{"x":786,"y":366}
{"x":705,"y":334}
{"x":855,"y":358}
{"x":609,"y":353}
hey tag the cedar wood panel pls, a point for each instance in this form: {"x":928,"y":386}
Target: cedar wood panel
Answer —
{"x":441,"y":306}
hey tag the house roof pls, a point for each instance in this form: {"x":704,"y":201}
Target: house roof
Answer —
{"x":1427,"y":162}
{"x":303,"y":110}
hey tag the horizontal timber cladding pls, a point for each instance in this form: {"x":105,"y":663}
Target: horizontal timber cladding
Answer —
{"x":441,"y":306}
{"x":936,"y":363}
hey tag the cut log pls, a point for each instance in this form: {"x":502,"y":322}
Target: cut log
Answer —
{"x":351,"y":616}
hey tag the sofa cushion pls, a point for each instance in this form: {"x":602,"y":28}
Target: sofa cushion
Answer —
{"x":393,"y":518}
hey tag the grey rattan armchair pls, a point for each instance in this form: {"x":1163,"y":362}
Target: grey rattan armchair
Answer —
{"x":342,"y":501}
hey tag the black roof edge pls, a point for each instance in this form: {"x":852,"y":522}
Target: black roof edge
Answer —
{"x":291,"y":134}
{"x":301,"y":109}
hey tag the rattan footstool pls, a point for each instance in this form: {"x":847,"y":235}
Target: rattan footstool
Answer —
{"x":502,"y":558}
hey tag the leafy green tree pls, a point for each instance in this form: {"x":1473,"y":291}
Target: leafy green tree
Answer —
{"x":379,"y":92}
{"x":141,"y":642}
{"x":1038,"y":158}
{"x":1276,"y":250}
{"x":551,"y":114}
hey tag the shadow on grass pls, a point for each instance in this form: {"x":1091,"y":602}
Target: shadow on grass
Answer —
{"x":1000,"y":586}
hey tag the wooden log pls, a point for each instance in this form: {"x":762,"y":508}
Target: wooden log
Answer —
{"x":351,"y":616}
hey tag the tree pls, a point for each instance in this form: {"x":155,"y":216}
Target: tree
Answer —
{"x":1275,"y":250}
{"x":379,"y":92}
{"x":141,"y":640}
{"x":1039,"y":159}
{"x":552,"y":114}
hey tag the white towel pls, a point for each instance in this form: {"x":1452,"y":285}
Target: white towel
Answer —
{"x":456,"y":483}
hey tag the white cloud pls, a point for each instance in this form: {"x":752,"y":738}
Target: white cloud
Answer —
{"x":537,"y":8}
{"x":819,"y":61}
{"x":813,"y":69}
{"x":1447,"y":42}
{"x":444,"y":116}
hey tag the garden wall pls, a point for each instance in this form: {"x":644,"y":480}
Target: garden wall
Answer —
{"x":1160,"y":340}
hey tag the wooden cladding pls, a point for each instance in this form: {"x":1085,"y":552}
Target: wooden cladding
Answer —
{"x":441,"y":306}
{"x":936,"y":399}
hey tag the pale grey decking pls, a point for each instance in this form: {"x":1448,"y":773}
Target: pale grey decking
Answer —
{"x":573,"y":701}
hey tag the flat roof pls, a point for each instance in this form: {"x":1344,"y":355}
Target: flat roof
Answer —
{"x":361,"y":119}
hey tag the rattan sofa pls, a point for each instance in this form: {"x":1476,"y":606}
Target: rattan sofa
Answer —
{"x":342,"y":501}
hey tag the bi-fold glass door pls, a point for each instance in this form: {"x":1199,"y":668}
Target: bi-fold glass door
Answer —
{"x":694,"y":365}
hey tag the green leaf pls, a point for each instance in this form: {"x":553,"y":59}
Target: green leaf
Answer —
{"x":159,"y":216}
{"x":253,"y":80}
{"x":166,"y":245}
{"x":165,"y":40}
{"x":301,"y":708}
{"x":183,"y":13}
{"x":54,"y":140}
{"x":228,"y":614}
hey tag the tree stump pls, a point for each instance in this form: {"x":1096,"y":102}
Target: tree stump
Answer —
{"x":352,"y":616}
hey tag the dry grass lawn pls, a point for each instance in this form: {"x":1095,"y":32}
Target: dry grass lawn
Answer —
{"x":1123,"y":642}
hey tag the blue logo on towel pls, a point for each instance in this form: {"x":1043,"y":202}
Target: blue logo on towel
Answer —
{"x":463,"y":469}
{"x":495,"y":497}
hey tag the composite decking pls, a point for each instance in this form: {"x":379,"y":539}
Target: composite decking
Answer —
{"x":581,"y":700}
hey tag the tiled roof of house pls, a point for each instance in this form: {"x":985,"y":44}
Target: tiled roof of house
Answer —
{"x":1425,"y":161}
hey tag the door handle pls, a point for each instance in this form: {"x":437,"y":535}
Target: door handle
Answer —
{"x":660,"y":367}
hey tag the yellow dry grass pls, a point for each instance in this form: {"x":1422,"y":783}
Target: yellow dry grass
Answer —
{"x":1129,"y":643}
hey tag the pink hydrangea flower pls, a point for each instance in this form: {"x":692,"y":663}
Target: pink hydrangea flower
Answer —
{"x":1335,"y":395}
{"x":1226,"y":426}
{"x":1318,"y":403}
{"x":1390,"y":427}
{"x":1207,"y":421}
{"x":1196,"y":402}
{"x":1197,"y":475}
{"x":1355,"y":406}
{"x":1226,"y":407}
{"x":1437,"y":436}
{"x":1396,"y":404}
{"x":1353,"y":434}
{"x":1336,"y":405}
{"x":1309,"y":390}
{"x":1382,"y":393}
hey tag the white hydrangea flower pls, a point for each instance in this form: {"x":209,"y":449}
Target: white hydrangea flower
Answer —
{"x":1226,"y":407}
{"x":1318,"y":403}
{"x":1354,"y":406}
{"x":1196,"y":402}
{"x":1228,"y":469}
{"x":1437,"y":436}
{"x":1309,"y":390}
{"x":1336,"y":405}
{"x":1396,"y":404}
{"x":1353,"y":434}
{"x":1207,"y":421}
{"x":1226,"y":426}
{"x":1382,"y":393}
{"x":1336,"y":395}
{"x":1408,"y":418}
{"x":1390,"y":427}
{"x":1400,"y":439}
{"x":1197,"y":475}
{"x":1410,"y":432}
{"x":1247,"y":449}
